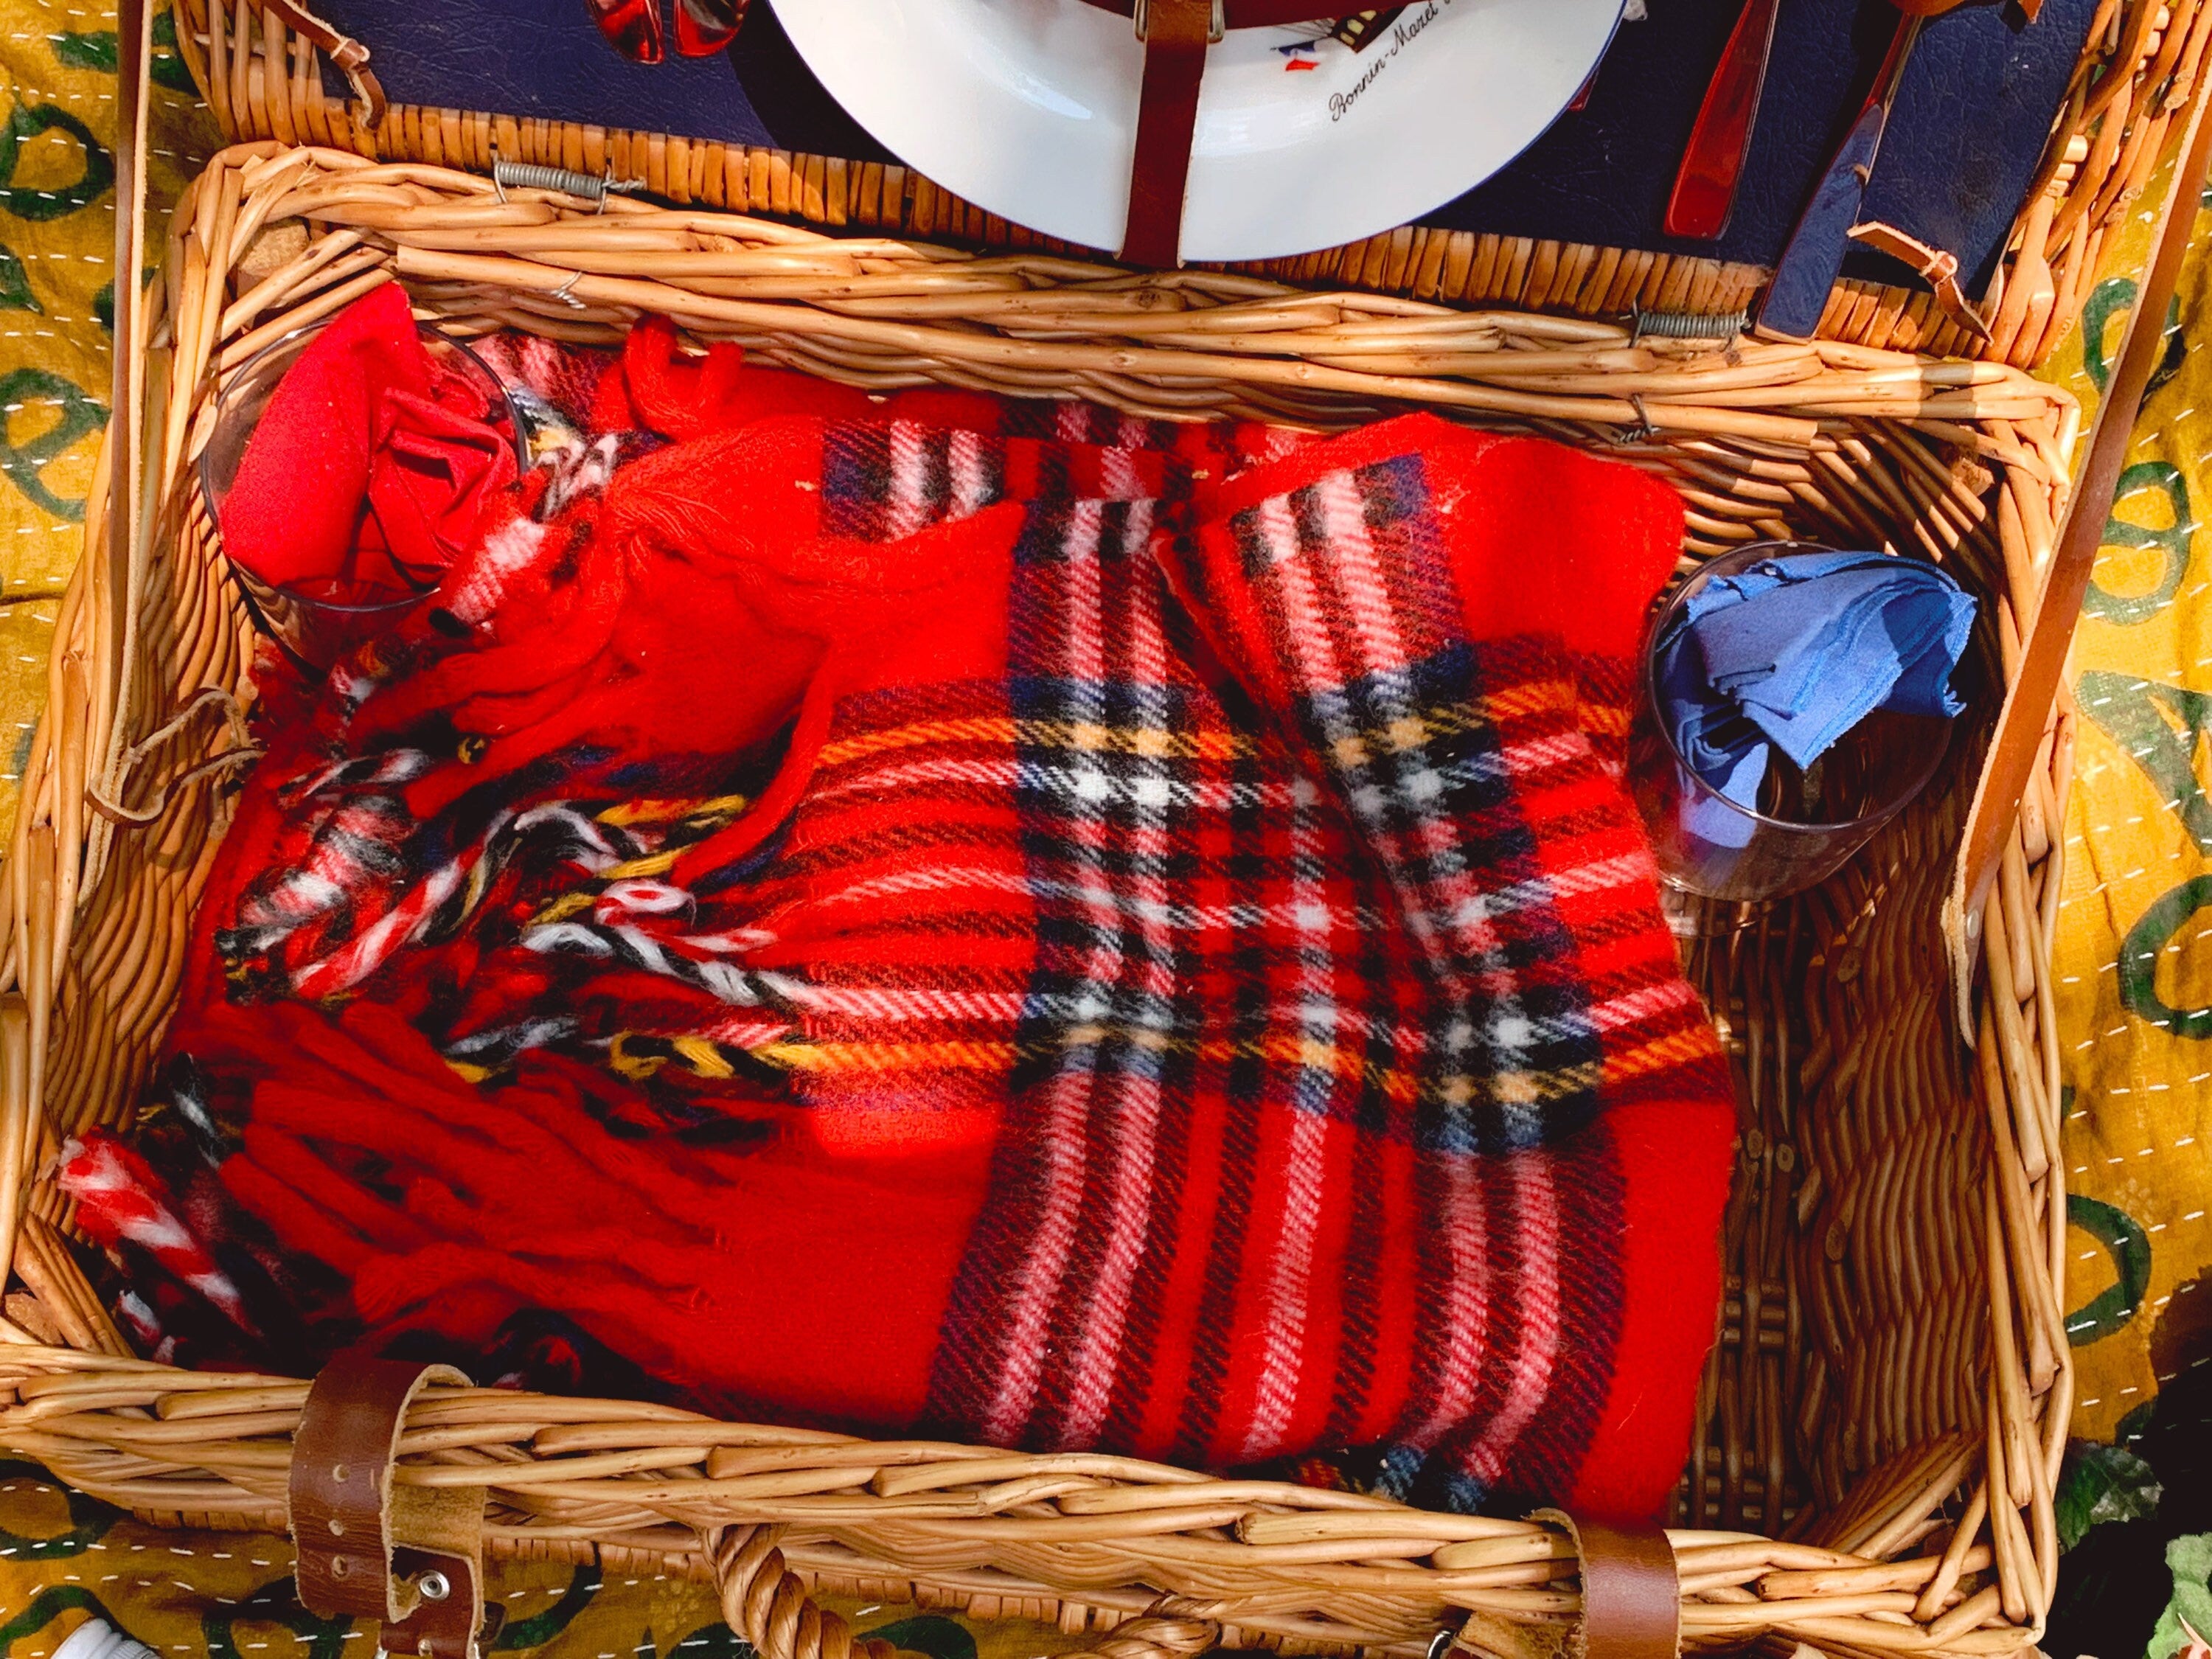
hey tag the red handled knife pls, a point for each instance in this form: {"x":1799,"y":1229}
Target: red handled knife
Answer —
{"x":1705,"y":186}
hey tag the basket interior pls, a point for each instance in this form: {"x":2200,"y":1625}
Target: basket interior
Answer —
{"x":1895,"y":1228}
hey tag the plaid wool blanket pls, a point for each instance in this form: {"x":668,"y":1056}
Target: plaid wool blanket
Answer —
{"x":996,"y":919}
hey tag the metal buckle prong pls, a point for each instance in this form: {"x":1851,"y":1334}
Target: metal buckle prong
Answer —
{"x":1217,"y":25}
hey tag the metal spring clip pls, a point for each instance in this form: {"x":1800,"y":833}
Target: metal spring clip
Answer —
{"x":1688,"y":325}
{"x":529,"y":175}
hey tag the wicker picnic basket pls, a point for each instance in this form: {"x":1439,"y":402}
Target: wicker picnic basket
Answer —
{"x":1884,"y":1412}
{"x":2139,"y":72}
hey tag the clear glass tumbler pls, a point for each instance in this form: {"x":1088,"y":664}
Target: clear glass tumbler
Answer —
{"x":312,"y":630}
{"x":1807,"y":823}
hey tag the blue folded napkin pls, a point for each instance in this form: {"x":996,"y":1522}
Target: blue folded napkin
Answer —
{"x":1794,"y":651}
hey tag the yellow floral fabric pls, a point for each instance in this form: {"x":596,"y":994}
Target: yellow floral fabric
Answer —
{"x":2133,"y":954}
{"x":57,"y":117}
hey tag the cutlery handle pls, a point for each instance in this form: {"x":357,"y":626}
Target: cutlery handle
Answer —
{"x":1813,"y":256}
{"x":1705,"y":187}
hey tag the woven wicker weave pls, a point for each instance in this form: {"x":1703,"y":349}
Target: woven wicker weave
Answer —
{"x":2142,"y":68}
{"x":1891,"y":1391}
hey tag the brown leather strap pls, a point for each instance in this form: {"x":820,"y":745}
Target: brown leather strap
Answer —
{"x":350,"y":57}
{"x":1632,"y":1593}
{"x":367,"y":1547}
{"x":1177,"y":34}
{"x":2019,"y":738}
{"x":1256,"y":13}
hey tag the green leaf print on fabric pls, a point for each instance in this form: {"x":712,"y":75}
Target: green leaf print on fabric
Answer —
{"x":28,"y":121}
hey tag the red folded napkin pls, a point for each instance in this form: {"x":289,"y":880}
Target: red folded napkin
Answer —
{"x":367,"y":472}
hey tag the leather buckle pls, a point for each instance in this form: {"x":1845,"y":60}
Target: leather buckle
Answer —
{"x":369,"y":1546}
{"x":1217,"y":25}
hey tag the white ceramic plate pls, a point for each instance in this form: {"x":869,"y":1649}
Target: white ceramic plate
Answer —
{"x":1028,"y":108}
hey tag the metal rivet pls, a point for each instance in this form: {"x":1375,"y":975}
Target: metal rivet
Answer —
{"x":433,"y":1586}
{"x":340,"y":1566}
{"x":338,"y":1527}
{"x":338,"y":1472}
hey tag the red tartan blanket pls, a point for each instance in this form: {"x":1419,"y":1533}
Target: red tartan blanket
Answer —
{"x":993,"y":920}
